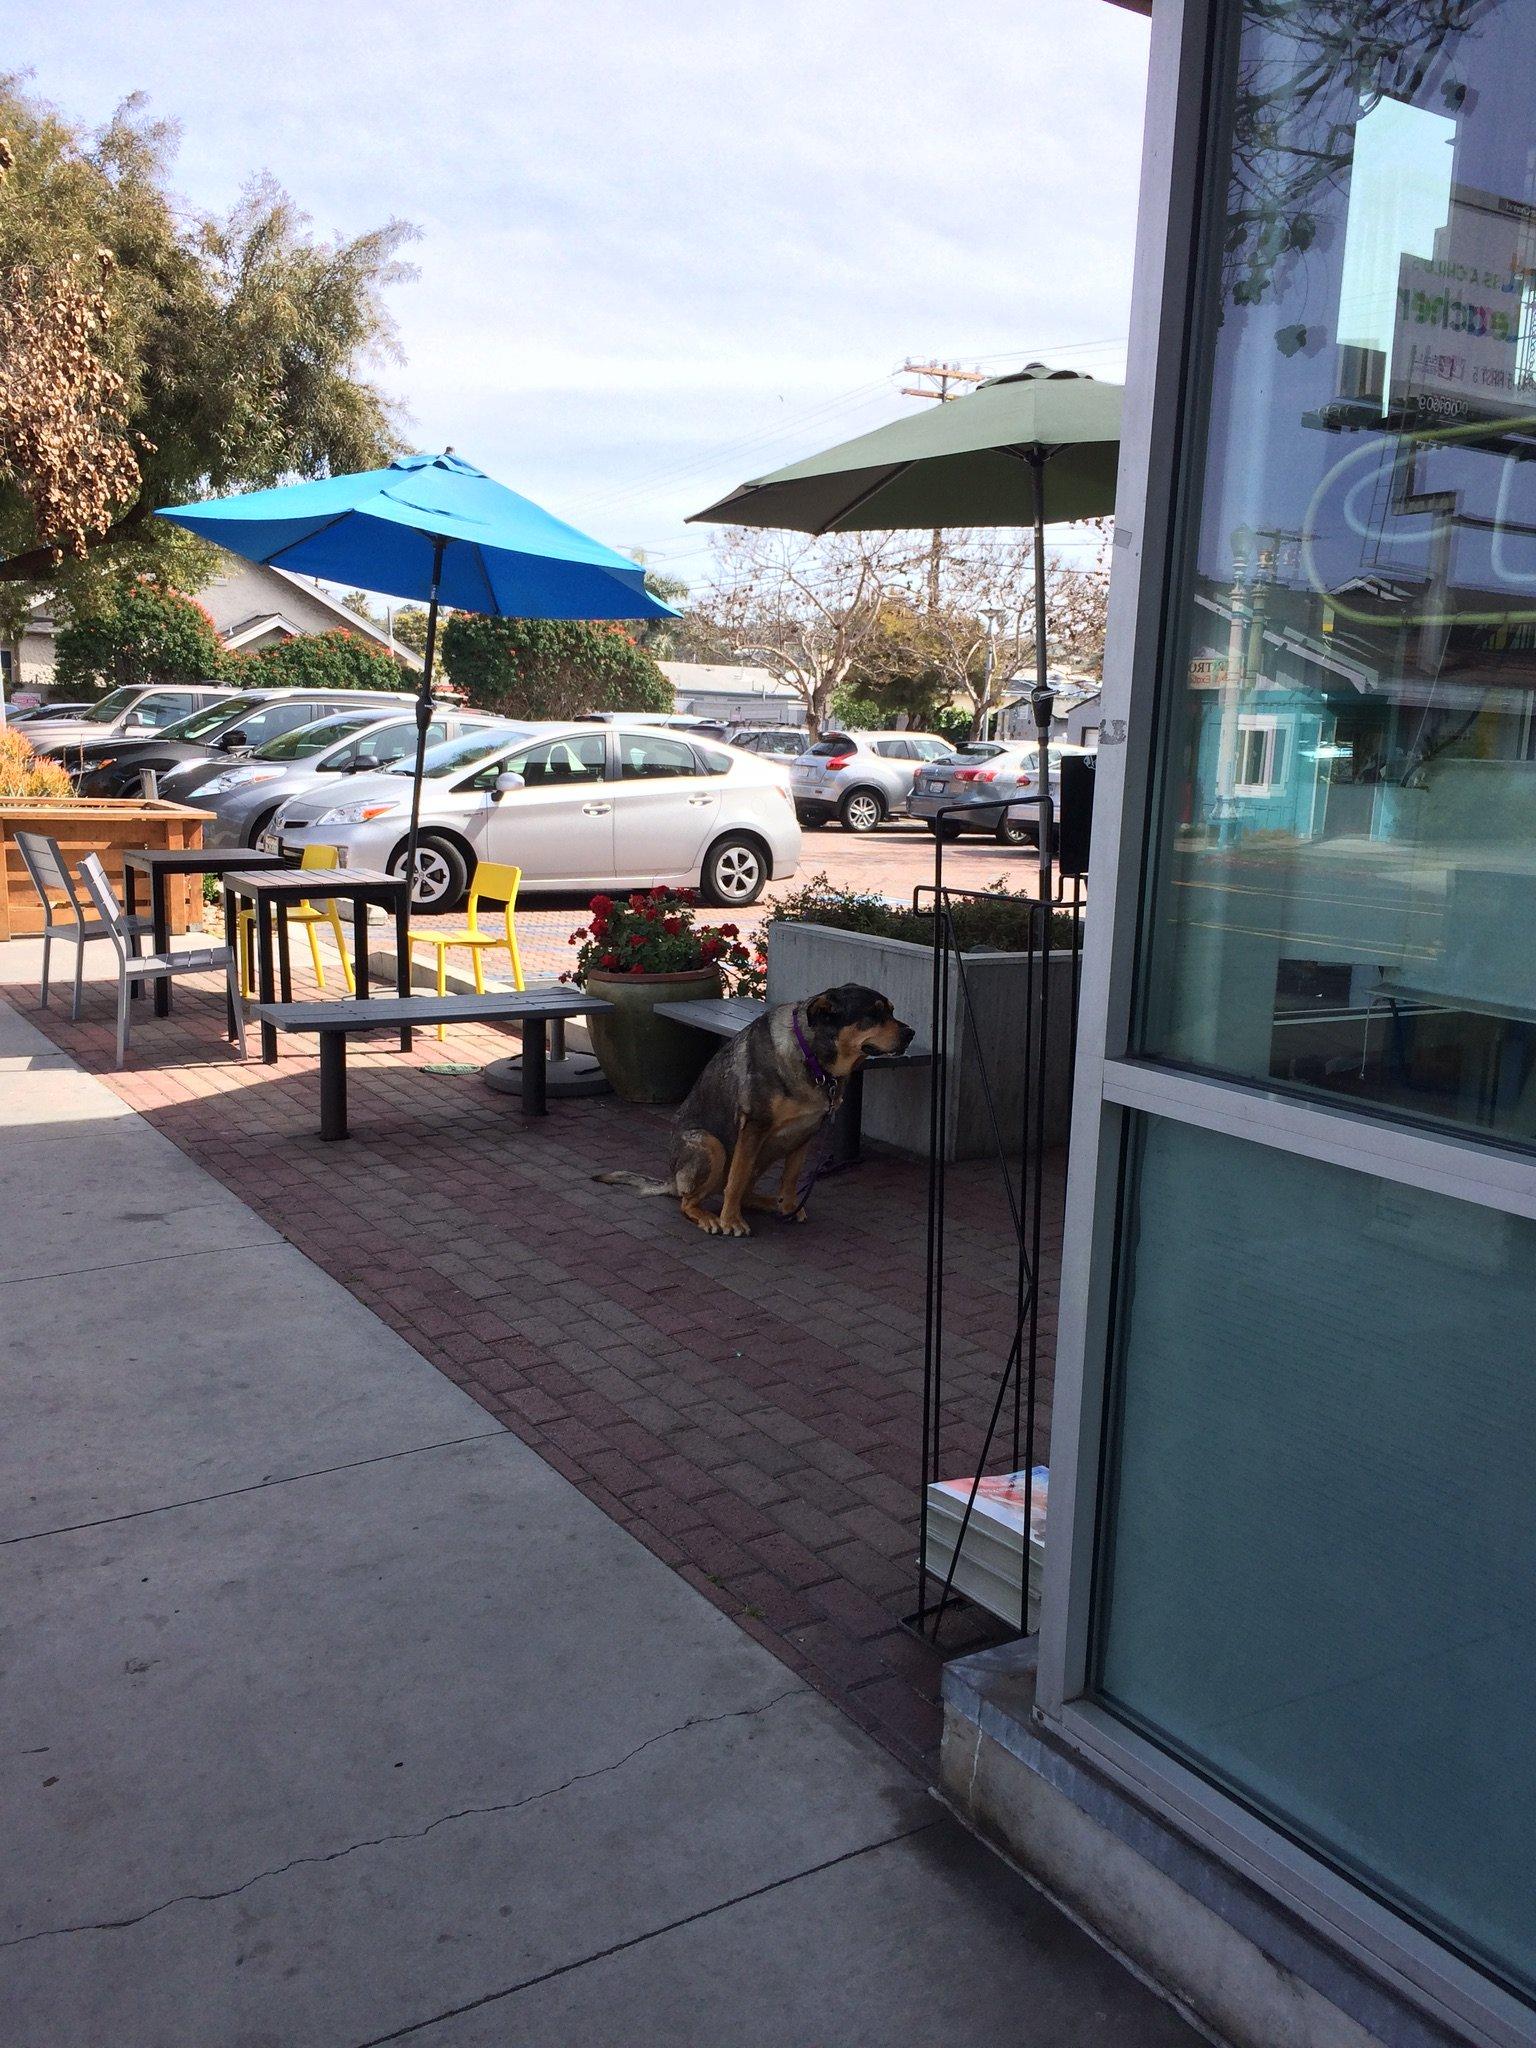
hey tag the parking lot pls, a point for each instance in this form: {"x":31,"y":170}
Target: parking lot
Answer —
{"x":895,"y":859}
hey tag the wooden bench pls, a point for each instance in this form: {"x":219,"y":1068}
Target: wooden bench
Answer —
{"x":724,"y":1016}
{"x":334,"y":1023}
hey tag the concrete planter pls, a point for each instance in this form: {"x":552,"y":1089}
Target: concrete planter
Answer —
{"x":803,"y":958}
{"x":649,"y":1058}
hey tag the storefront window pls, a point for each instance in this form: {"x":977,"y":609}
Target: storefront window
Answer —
{"x":1344,"y":880}
{"x":1320,"y":1534}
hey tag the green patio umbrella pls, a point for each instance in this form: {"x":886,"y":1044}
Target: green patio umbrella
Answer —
{"x":1035,"y":446}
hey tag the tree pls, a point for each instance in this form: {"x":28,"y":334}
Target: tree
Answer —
{"x":411,"y":627}
{"x":133,"y":630}
{"x":806,"y":607}
{"x":166,"y":355}
{"x":338,"y":660}
{"x":551,"y":668}
{"x":988,"y":581}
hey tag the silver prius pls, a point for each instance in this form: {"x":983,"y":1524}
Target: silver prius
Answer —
{"x":244,"y":795}
{"x":576,"y":807}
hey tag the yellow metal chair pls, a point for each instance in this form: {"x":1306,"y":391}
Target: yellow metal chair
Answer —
{"x":310,"y":915}
{"x":500,"y":883}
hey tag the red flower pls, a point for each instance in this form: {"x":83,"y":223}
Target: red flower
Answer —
{"x":659,"y":895}
{"x":608,"y":960}
{"x":671,"y":926}
{"x":600,"y":905}
{"x":730,"y":931}
{"x":637,"y":938}
{"x":709,"y":948}
{"x":637,"y":901}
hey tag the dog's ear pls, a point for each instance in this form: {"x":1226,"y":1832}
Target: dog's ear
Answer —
{"x":819,"y":1008}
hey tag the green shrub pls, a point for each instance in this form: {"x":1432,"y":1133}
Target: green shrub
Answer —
{"x":338,"y":660}
{"x":136,"y":631}
{"x":1004,"y":921}
{"x":551,"y":668}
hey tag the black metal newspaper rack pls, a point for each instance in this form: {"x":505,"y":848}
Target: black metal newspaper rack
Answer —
{"x":983,"y":1486}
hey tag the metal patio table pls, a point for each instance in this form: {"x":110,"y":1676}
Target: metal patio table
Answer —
{"x":157,"y":862}
{"x":272,"y":891}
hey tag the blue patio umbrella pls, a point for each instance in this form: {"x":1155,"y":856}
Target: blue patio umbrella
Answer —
{"x":436,"y":529}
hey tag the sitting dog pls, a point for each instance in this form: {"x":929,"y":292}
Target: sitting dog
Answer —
{"x":762,"y":1099}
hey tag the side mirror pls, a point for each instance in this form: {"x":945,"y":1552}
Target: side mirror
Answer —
{"x":235,"y":742}
{"x":506,"y":783}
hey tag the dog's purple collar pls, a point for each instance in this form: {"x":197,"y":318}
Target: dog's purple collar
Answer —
{"x":817,"y":1071}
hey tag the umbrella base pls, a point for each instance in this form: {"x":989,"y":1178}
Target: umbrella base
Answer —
{"x":576,"y":1074}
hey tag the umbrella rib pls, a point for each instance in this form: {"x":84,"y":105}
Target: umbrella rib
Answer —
{"x":862,"y":498}
{"x":485,"y":577}
{"x":313,"y":534}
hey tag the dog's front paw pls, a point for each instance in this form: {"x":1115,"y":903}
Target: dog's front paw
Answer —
{"x":734,"y":1226}
{"x":710,"y":1225}
{"x":793,"y":1215}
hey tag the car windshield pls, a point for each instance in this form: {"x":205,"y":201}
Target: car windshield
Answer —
{"x":835,"y":743}
{"x":305,"y":740}
{"x":468,"y":748}
{"x":109,"y":707}
{"x":200,"y":725}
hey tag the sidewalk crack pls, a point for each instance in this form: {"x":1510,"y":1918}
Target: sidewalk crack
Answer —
{"x":406,"y":1834}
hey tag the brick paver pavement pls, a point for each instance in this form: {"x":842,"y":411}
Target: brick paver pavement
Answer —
{"x":749,"y":1410}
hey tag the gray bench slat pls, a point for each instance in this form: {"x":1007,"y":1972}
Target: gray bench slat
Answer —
{"x":384,"y":1013}
{"x":726,"y":1015}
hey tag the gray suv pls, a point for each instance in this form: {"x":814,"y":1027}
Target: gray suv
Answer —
{"x":862,"y":778}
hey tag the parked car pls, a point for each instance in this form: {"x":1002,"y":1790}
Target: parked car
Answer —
{"x":576,"y":807}
{"x":29,"y":714}
{"x":113,"y":767}
{"x":774,"y":742}
{"x":245,"y":795}
{"x":860,"y":779}
{"x":136,"y":710}
{"x":998,"y":781}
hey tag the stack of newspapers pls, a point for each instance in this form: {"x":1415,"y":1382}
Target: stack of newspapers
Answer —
{"x":991,"y":1567}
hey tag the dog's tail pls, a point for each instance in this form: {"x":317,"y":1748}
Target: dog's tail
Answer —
{"x":637,"y":1181}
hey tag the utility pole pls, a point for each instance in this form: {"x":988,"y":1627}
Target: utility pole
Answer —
{"x":941,"y":376}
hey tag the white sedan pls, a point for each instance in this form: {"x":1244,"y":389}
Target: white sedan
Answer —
{"x":576,"y":807}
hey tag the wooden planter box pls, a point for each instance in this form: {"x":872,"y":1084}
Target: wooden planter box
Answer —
{"x":108,"y":826}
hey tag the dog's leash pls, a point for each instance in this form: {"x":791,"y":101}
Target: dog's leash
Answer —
{"x":832,"y":1088}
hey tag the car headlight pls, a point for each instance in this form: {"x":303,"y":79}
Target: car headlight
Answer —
{"x":356,"y":814}
{"x":231,"y":778}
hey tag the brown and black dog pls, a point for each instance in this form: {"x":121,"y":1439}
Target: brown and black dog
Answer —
{"x":762,"y":1100}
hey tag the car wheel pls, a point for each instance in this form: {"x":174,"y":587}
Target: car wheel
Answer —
{"x":861,"y":810}
{"x":944,"y":828}
{"x":442,"y":874}
{"x":735,"y":873}
{"x":254,"y":831}
{"x":810,"y":824}
{"x":1014,"y":832}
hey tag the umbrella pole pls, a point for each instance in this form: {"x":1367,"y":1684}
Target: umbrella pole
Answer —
{"x":423,"y":716}
{"x":1042,"y":691}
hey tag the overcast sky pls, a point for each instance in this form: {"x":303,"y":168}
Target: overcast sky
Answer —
{"x":663,"y":249}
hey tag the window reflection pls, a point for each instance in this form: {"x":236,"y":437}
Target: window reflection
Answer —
{"x":1345,"y":894}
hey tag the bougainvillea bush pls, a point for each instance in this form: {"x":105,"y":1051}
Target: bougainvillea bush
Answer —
{"x":657,"y":932}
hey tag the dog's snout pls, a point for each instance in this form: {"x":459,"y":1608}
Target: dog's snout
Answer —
{"x":907,"y":1035}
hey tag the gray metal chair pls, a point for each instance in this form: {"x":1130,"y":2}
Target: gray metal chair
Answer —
{"x":133,"y":967}
{"x":44,"y":861}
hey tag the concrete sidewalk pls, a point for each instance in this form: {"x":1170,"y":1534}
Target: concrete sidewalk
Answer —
{"x":335,"y":1716}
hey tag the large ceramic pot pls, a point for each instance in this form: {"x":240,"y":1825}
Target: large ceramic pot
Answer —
{"x":649,"y":1058}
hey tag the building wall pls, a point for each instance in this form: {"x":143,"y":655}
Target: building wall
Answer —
{"x":1290,"y":1592}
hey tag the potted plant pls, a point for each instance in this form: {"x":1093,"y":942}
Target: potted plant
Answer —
{"x":648,"y":950}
